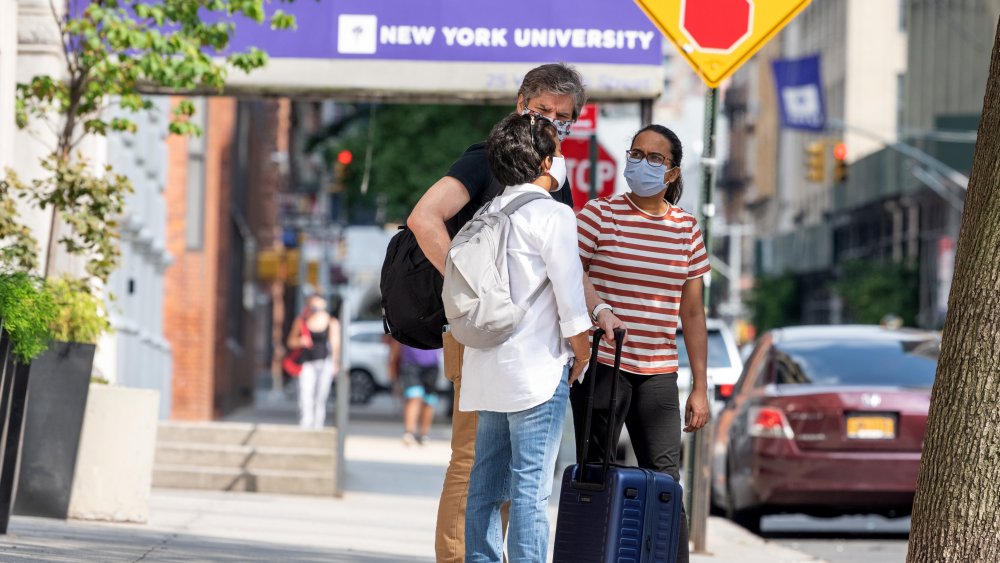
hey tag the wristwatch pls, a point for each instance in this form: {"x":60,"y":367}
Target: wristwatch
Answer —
{"x":597,"y":310}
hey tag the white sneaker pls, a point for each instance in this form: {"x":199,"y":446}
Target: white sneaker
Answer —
{"x":409,"y":439}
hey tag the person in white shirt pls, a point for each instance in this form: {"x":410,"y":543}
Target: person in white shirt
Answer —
{"x":520,"y":388}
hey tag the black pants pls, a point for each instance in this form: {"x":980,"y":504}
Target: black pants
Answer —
{"x":649,"y":406}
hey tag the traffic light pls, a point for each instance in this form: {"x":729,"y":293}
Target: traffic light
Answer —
{"x":816,"y":161}
{"x":344,"y":158}
{"x":840,"y":163}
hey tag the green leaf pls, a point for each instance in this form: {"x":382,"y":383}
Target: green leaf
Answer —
{"x":282,"y":20}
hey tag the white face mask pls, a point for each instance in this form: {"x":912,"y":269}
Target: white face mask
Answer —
{"x":558,"y":171}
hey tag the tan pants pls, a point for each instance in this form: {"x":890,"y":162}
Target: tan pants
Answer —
{"x":449,"y":541}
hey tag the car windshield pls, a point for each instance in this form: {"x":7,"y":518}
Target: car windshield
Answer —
{"x":718,"y":355}
{"x":898,"y":363}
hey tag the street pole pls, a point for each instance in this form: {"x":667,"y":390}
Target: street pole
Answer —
{"x":593,"y":165}
{"x":698,"y":467}
{"x":343,"y":386}
{"x":646,"y":111}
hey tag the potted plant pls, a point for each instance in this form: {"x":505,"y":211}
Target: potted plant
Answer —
{"x":58,"y":386}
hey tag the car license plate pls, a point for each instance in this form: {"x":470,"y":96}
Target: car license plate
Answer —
{"x":871,"y":427}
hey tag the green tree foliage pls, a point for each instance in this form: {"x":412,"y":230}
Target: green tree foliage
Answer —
{"x":114,"y":50}
{"x":412,"y":147}
{"x":872,"y":290}
{"x":775,"y":302}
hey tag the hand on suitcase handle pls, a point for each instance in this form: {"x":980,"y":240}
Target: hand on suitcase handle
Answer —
{"x":609,"y":325}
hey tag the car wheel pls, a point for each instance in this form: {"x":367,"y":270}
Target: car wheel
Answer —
{"x":362,"y":387}
{"x":749,"y":518}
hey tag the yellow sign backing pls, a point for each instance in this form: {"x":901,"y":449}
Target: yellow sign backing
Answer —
{"x":717,"y":36}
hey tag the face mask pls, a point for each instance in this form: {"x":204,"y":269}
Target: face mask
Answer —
{"x":558,"y":171}
{"x":562,"y":127}
{"x":644,"y":179}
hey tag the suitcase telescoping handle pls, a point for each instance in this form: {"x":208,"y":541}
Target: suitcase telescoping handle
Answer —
{"x":612,"y":418}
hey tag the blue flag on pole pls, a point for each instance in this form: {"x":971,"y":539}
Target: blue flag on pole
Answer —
{"x":800,"y":93}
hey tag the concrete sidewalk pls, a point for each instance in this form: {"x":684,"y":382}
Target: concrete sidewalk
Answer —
{"x":386,"y":515}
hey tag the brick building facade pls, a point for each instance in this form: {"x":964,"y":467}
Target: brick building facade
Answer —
{"x":222,"y":209}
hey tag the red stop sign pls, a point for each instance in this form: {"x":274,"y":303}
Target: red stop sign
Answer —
{"x":717,"y":24}
{"x":577,"y":153}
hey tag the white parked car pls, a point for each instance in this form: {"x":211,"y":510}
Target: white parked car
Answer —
{"x":369,"y":357}
{"x":724,"y":368}
{"x":724,"y":365}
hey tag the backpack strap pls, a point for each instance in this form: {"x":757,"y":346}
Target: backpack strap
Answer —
{"x":508,"y":210}
{"x":520,"y":200}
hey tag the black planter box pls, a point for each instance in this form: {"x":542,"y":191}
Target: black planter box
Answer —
{"x":57,"y":396}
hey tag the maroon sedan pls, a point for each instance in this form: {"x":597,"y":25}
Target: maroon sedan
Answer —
{"x":826,"y":420}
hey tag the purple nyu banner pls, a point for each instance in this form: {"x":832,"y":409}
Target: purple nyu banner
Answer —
{"x":506,"y":31}
{"x":799,"y":84}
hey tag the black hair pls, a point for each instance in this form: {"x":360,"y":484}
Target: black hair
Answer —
{"x":675,"y":189}
{"x":518,"y":145}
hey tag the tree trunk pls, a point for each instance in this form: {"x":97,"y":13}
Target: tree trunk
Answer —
{"x":956,"y":513}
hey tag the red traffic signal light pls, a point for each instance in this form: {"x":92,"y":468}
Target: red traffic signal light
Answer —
{"x":840,"y":151}
{"x":345,"y":157}
{"x":840,"y":163}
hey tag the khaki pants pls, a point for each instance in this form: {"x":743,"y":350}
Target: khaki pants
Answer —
{"x":449,"y":541}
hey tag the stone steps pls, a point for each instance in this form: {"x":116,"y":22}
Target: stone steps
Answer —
{"x":318,"y":483}
{"x":227,"y":456}
{"x":246,"y":434}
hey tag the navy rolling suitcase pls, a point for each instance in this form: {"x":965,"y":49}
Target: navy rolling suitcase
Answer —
{"x":611,"y":513}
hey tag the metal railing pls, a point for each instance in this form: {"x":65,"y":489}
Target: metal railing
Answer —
{"x":13,"y":395}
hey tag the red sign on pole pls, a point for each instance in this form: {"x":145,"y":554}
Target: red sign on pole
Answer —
{"x":586,"y":124}
{"x":577,"y":153}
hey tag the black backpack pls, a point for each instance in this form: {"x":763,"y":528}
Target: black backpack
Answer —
{"x":412,"y":311}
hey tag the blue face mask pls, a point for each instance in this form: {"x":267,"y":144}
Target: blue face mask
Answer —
{"x":644,"y":179}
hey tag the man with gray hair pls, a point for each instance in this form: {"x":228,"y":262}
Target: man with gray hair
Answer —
{"x":555,"y":92}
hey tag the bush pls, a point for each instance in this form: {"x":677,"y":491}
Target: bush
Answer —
{"x":775,"y":302}
{"x":871,"y":290}
{"x":80,"y":315}
{"x":27,"y":311}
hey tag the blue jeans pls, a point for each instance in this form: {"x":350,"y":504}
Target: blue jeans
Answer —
{"x":515,"y":459}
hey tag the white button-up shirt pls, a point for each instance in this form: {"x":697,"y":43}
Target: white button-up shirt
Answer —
{"x":525,"y":371}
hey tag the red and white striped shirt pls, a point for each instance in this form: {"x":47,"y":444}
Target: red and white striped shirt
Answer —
{"x":638,"y":264}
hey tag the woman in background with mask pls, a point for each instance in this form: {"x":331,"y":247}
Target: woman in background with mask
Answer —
{"x":644,"y":259}
{"x":318,"y":333}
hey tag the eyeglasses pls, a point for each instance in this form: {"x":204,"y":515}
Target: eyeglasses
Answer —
{"x":562,"y":126}
{"x":654,"y":159}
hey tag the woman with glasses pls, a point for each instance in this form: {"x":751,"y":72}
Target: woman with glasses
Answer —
{"x":644,"y":259}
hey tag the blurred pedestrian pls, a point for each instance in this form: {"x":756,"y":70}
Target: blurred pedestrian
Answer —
{"x":552,"y":91}
{"x":416,"y":372}
{"x":520,"y":388}
{"x":645,"y":259}
{"x":318,"y":334}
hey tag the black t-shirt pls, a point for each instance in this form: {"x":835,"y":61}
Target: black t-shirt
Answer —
{"x":473,"y":170}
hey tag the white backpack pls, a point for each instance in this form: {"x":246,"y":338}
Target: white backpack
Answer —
{"x":476,"y":290}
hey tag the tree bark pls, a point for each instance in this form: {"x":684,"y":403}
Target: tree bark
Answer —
{"x":956,"y":513}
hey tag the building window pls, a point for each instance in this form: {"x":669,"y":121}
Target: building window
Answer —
{"x":194,"y":194}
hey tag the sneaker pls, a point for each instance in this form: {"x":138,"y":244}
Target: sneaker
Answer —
{"x":409,"y":439}
{"x":422,"y":440}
